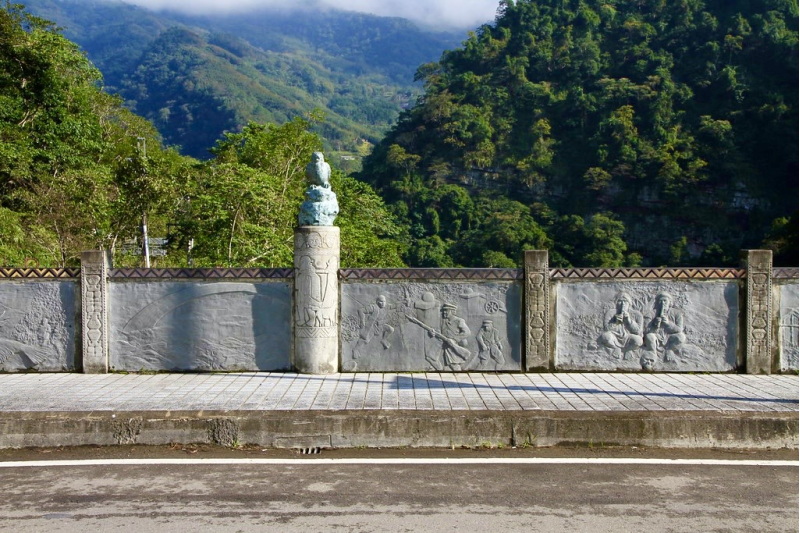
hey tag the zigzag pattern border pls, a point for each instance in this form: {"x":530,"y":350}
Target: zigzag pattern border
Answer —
{"x":431,"y":274}
{"x":40,"y":273}
{"x":401,"y":273}
{"x":648,"y":273}
{"x":785,"y":273}
{"x":201,"y":273}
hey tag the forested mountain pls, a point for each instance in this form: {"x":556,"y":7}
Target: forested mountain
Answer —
{"x":198,"y":76}
{"x":78,"y":171}
{"x":613,"y":132}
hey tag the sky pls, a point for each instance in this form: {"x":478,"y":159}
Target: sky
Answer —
{"x":444,"y":13}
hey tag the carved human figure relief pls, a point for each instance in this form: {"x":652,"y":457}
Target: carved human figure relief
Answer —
{"x":373,"y":320}
{"x":37,"y":326}
{"x":453,"y":338}
{"x":664,"y":336}
{"x":490,"y":346}
{"x":316,"y":284}
{"x":431,"y":326}
{"x":647,"y":326}
{"x":309,"y":292}
{"x":426,"y":310}
{"x":623,"y":328}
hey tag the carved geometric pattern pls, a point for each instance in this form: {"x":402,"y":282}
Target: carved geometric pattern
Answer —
{"x":316,"y":332}
{"x":759,"y":312}
{"x":202,"y":273}
{"x":537,"y":309}
{"x":94,"y":311}
{"x":431,"y":273}
{"x":40,"y":273}
{"x":648,"y":273}
{"x":785,"y":273}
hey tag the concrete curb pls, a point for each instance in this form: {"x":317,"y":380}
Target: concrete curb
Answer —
{"x":382,"y":428}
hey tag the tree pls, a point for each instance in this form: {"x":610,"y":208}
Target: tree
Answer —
{"x":243,"y":204}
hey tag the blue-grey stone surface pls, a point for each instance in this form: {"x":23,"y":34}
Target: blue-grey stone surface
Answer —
{"x":696,"y":332}
{"x":320,"y":207}
{"x":37,"y":325}
{"x":382,"y":327}
{"x":200,"y":325}
{"x":788,"y":326}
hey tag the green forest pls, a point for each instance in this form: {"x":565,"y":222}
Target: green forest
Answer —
{"x":614,"y":133}
{"x":196,"y":77}
{"x":79,"y":171}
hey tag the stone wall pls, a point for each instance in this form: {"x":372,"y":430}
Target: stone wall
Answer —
{"x":100,"y":319}
{"x":786,"y":322}
{"x":670,"y":326}
{"x":200,"y":320}
{"x":417,"y":320}
{"x":39,"y":317}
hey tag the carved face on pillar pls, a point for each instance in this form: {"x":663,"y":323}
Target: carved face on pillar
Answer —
{"x":381,"y":301}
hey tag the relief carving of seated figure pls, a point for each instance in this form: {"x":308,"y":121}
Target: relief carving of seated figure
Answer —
{"x":623,"y":328}
{"x":664,"y":333}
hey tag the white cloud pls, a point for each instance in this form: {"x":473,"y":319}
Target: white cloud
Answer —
{"x":449,"y":13}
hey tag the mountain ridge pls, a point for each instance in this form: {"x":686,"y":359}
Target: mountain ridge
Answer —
{"x":341,"y":55}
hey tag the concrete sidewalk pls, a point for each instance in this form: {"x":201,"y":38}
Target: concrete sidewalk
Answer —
{"x":433,"y":409}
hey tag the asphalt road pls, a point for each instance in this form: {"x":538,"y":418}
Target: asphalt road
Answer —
{"x":329,"y":496}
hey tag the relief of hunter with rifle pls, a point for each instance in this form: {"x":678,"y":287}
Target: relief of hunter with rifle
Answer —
{"x":453,"y":335}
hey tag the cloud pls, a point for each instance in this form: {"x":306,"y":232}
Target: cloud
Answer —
{"x":446,"y":13}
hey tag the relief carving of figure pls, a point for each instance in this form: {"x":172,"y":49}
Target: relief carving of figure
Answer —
{"x":373,"y":320}
{"x":329,"y":301}
{"x":664,"y":335}
{"x":454,"y":341}
{"x":426,"y":311}
{"x":451,"y":339}
{"x":316,"y":305}
{"x":490,"y":347}
{"x":623,"y":328}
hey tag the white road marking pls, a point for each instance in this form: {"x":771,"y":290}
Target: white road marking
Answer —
{"x":398,"y":461}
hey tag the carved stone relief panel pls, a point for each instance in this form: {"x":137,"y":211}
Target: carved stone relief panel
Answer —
{"x":662,"y":326}
{"x":537,"y":310}
{"x":175,"y":325}
{"x":788,"y":327}
{"x":759,"y":312}
{"x":316,"y":282}
{"x":449,"y":327}
{"x":316,"y":299}
{"x":37,"y":325}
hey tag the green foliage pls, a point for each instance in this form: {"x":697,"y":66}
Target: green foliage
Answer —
{"x":783,"y":240}
{"x":61,"y":142}
{"x":678,"y":117}
{"x":81,"y":172}
{"x":197,"y":77}
{"x":241,"y":207}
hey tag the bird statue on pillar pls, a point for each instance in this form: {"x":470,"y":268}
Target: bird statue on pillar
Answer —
{"x":318,"y":171}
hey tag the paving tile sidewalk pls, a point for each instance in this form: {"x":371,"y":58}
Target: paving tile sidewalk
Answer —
{"x":255,"y":391}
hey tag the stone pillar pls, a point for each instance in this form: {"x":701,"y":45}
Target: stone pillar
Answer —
{"x":537,"y":310}
{"x":94,"y":310}
{"x":316,"y":299}
{"x":758,"y":332}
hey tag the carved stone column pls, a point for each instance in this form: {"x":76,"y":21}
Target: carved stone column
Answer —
{"x":316,"y":299}
{"x":94,"y":310}
{"x":758,"y":357}
{"x":537,"y":310}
